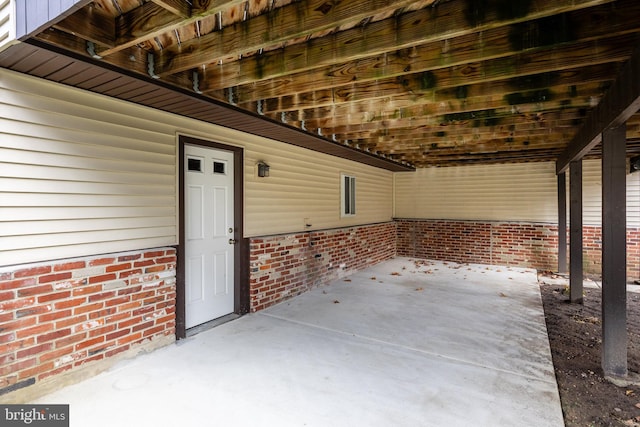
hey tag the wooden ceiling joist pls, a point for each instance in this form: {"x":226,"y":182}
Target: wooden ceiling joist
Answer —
{"x":297,"y":20}
{"x":407,"y":79}
{"x":319,"y":61}
{"x":621,"y":101}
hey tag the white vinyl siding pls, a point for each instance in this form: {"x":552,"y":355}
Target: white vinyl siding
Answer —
{"x":592,"y":194}
{"x":516,"y":192}
{"x":84,"y":174}
{"x":304,"y":187}
{"x":77,"y":180}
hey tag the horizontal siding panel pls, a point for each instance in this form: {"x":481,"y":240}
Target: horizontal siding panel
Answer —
{"x":306,"y":184}
{"x":62,"y":141}
{"x":75,"y":177}
{"x":11,"y":185}
{"x":62,"y":174}
{"x":94,"y":109}
{"x":518,"y":192}
{"x":65,"y":239}
{"x":17,"y":214}
{"x":62,"y":130}
{"x":76,"y":162}
{"x":633,"y":200}
{"x":73,"y":200}
{"x":591,"y":192}
{"x":592,"y":195}
{"x":62,"y":120}
{"x":21,"y":228}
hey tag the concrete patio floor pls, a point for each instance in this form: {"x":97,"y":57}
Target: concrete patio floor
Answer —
{"x":404,"y":343}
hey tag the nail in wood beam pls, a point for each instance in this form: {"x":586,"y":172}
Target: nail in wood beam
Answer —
{"x":562,"y":223}
{"x":614,"y":251}
{"x":575,"y":241}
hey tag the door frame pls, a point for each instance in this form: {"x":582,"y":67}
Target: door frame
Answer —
{"x":241,"y":248}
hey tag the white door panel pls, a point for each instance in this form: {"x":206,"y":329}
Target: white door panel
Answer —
{"x":195,"y":223}
{"x":209,"y":234}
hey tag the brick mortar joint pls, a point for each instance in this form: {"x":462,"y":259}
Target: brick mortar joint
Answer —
{"x":167,"y":252}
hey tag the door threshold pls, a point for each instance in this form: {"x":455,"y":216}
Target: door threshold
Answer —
{"x":211,"y":324}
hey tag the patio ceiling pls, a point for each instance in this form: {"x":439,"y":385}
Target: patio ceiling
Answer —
{"x":427,"y":83}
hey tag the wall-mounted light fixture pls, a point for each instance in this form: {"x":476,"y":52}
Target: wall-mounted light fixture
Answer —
{"x":634,"y":163}
{"x":263,"y":169}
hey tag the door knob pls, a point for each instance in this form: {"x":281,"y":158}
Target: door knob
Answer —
{"x":232,"y":241}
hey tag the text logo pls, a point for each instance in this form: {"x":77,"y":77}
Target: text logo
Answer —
{"x":34,"y":415}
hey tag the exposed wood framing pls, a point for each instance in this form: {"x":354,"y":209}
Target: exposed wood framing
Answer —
{"x":426,"y":82}
{"x":620,"y":103}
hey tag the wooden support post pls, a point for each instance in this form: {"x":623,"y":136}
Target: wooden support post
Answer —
{"x":614,"y":250}
{"x":575,"y":241}
{"x":562,"y":223}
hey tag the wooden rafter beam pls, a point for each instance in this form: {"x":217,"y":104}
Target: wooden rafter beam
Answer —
{"x":296,"y":20}
{"x":621,"y":101}
{"x":462,"y":121}
{"x":493,"y":142}
{"x":444,"y":21}
{"x":400,"y":136}
{"x":382,"y":100}
{"x":282,"y":95}
{"x":151,"y":20}
{"x":479,"y":110}
{"x":539,"y":155}
{"x":440,"y":121}
{"x":488,"y":145}
{"x":319,"y":61}
{"x":177,"y":7}
{"x":91,"y":25}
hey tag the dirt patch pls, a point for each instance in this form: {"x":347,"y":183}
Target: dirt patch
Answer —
{"x":575,"y":337}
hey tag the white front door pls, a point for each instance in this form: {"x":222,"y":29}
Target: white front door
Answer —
{"x":209,"y":234}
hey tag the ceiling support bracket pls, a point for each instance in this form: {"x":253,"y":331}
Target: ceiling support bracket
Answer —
{"x":231,"y":101}
{"x":196,"y":83}
{"x":91,"y":50}
{"x":151,"y":66}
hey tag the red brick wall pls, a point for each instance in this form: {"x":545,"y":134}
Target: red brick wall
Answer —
{"x":526,"y":245}
{"x":592,"y":251}
{"x":287,"y":265}
{"x":458,"y":241}
{"x":59,"y":316}
{"x":633,"y":254}
{"x":498,"y":243}
{"x":504,"y":243}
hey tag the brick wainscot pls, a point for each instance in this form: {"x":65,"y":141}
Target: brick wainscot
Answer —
{"x":518,"y":244}
{"x":63,"y":321}
{"x":287,"y":265}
